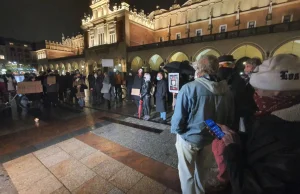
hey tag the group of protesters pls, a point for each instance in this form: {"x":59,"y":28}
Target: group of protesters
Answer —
{"x":259,"y":114}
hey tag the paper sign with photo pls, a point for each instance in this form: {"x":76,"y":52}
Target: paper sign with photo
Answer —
{"x":174,"y":82}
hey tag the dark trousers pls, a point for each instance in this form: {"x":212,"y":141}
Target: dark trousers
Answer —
{"x":108,"y":104}
{"x":129,"y":89}
{"x":118,"y":89}
{"x":52,"y":97}
{"x":146,"y":105}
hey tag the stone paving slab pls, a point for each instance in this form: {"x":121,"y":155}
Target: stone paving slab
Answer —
{"x":49,"y":171}
{"x":6,"y":185}
{"x":160,"y":147}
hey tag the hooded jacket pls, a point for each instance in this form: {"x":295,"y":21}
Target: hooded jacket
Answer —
{"x":198,"y":101}
{"x":269,"y":163}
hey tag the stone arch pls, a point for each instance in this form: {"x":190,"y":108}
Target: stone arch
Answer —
{"x":136,"y":63}
{"x":206,"y":51}
{"x":69,"y":67}
{"x":82,"y":67}
{"x":92,"y":65}
{"x":178,"y":56}
{"x":249,"y":50}
{"x":244,"y":52}
{"x":45,"y":67}
{"x":291,"y":46}
{"x":155,"y":61}
{"x":40,"y":68}
{"x":75,"y":65}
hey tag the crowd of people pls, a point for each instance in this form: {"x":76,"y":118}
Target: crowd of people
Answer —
{"x":259,"y":112}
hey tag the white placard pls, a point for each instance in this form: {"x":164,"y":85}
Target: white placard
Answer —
{"x":174,"y":82}
{"x":107,"y":63}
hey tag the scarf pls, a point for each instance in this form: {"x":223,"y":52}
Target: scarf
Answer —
{"x":267,"y":105}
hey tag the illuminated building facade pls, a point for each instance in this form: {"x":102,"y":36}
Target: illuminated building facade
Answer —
{"x":15,"y":54}
{"x":134,"y":39}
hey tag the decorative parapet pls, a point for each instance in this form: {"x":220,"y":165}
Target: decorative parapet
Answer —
{"x":69,"y":44}
{"x":141,"y":18}
{"x":87,"y":19}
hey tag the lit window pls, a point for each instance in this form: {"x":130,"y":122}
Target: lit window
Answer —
{"x":161,"y":39}
{"x":11,"y":44}
{"x":287,"y":18}
{"x":25,"y":45}
{"x":252,"y":24}
{"x":2,"y":57}
{"x":178,"y":36}
{"x":91,"y":41}
{"x":223,"y":28}
{"x":112,"y":38}
{"x":199,"y":32}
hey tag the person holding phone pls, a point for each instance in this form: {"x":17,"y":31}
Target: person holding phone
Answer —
{"x":267,"y":160}
{"x":204,"y":98}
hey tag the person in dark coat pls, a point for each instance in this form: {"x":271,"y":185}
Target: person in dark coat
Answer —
{"x":146,"y":96}
{"x":129,"y":83}
{"x":62,"y":87}
{"x":98,"y":87}
{"x":137,"y":84}
{"x":91,"y":79}
{"x":243,"y":106}
{"x":267,"y":161}
{"x":52,"y":89}
{"x":161,"y":94}
{"x":106,"y":90}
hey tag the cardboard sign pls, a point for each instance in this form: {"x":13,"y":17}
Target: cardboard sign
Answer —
{"x":135,"y":92}
{"x":51,"y":80}
{"x":174,"y":82}
{"x":29,"y":87}
{"x":107,"y":63}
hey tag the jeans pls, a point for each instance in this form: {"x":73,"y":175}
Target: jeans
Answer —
{"x":163,"y":115}
{"x":192,"y":166}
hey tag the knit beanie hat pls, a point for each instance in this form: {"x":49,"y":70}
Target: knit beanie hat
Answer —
{"x":279,"y":73}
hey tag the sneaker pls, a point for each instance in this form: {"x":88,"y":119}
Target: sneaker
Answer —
{"x":146,"y":118}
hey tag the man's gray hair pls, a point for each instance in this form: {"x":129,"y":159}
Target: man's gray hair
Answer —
{"x":208,"y":64}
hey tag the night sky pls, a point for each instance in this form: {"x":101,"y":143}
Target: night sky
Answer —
{"x":36,"y":20}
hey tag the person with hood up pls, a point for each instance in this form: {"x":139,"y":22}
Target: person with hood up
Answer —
{"x":269,"y":164}
{"x":204,"y":98}
{"x":146,"y":96}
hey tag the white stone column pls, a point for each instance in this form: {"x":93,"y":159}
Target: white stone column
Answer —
{"x":106,"y":34}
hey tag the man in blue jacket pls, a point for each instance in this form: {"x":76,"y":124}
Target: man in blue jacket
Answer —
{"x":205,"y":98}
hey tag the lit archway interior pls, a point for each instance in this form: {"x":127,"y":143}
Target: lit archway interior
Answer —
{"x":155,"y":62}
{"x":247,"y":51}
{"x":179,"y":56}
{"x":136,"y":63}
{"x":75,"y":65}
{"x":69,"y":67}
{"x":207,"y":52}
{"x":292,"y":47}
